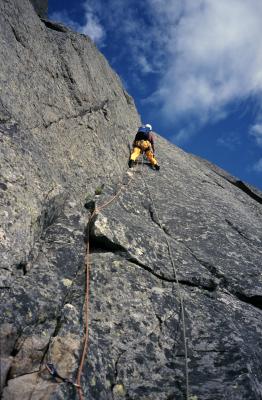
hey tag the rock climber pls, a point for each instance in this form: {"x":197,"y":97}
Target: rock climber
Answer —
{"x":144,"y":143}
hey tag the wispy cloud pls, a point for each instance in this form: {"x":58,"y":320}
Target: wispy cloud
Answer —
{"x":256,"y":131}
{"x":144,"y":64}
{"x":258,"y":166}
{"x":91,"y":26}
{"x":205,"y":54}
{"x":230,"y":140}
{"x":93,"y":29}
{"x":214,"y":55}
{"x":182,"y":135}
{"x":133,"y":26}
{"x":63,"y":17}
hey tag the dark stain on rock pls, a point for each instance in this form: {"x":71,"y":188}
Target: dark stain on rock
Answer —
{"x":22,"y":266}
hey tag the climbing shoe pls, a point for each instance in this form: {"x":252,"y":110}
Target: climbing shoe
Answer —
{"x":157,"y":167}
{"x":131,"y":163}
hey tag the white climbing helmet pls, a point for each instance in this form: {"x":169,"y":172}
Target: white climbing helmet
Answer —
{"x":149,"y":127}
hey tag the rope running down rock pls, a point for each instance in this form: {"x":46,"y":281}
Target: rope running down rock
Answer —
{"x":95,"y":212}
{"x":176,"y":279}
{"x":87,"y":283}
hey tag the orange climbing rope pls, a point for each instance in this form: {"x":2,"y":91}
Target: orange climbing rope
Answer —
{"x":81,"y":366}
{"x":87,"y":284}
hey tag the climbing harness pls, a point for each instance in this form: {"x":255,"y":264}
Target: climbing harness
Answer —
{"x":181,"y":300}
{"x":144,"y":145}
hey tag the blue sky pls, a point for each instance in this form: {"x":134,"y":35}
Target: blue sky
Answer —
{"x":194,"y":68}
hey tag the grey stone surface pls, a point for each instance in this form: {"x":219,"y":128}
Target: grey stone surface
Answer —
{"x":66,"y":125}
{"x":41,"y":7}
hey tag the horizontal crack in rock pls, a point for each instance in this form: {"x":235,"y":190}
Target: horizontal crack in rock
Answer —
{"x":255,"y":300}
{"x":148,"y":269}
{"x":101,"y":244}
{"x":89,"y":110}
{"x":236,"y":229}
{"x":55,"y":26}
{"x":211,"y":268}
{"x":240,"y":185}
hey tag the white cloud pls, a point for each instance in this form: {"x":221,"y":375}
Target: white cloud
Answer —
{"x":91,"y":26}
{"x":206,"y":53}
{"x":256,"y":131}
{"x":231,"y":141}
{"x":258,"y":166}
{"x":214,"y":55}
{"x":135,"y":39}
{"x":144,"y":64}
{"x":182,"y":135}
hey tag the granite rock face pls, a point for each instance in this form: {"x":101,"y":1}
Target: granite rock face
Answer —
{"x":66,"y":125}
{"x":41,"y":7}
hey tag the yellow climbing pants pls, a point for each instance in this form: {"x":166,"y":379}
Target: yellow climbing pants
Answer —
{"x":143,"y":146}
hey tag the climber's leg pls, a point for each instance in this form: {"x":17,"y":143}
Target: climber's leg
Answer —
{"x":135,"y":153}
{"x":151,"y":157}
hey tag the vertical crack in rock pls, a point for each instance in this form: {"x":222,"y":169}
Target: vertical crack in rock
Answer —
{"x":17,"y":345}
{"x":153,"y":216}
{"x":160,"y":327}
{"x":116,"y":373}
{"x":17,"y":36}
{"x":52,"y":209}
{"x":160,"y":323}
